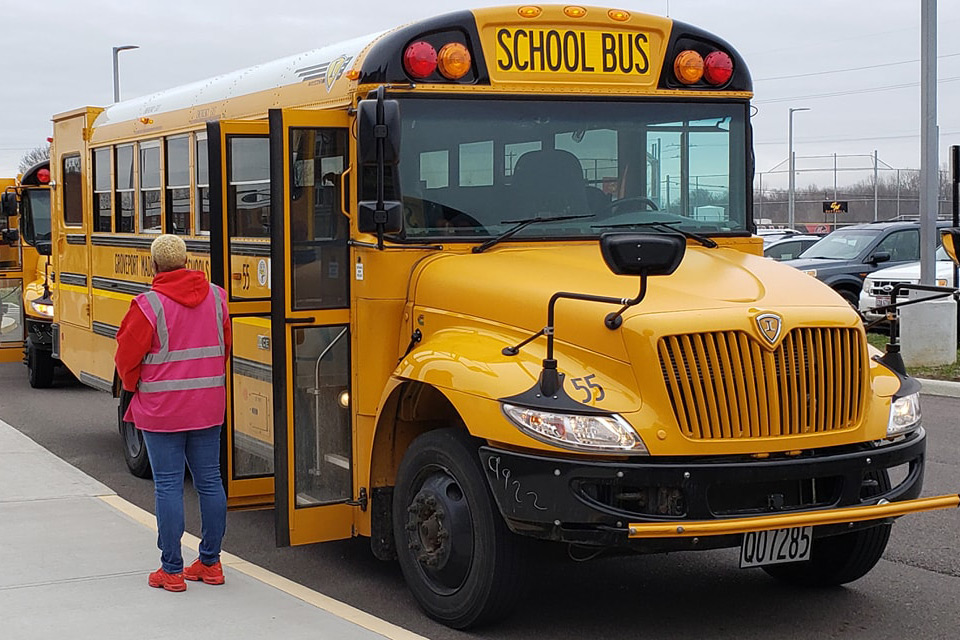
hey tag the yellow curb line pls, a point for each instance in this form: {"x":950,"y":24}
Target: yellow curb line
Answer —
{"x":315,"y":598}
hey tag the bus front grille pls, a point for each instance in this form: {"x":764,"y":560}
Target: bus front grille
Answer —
{"x":724,"y":385}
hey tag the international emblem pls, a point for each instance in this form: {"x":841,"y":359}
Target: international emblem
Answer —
{"x":770,"y":325}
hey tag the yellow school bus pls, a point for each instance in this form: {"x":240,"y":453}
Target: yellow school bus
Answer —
{"x":491,"y":277}
{"x":11,"y":280}
{"x":25,"y":255}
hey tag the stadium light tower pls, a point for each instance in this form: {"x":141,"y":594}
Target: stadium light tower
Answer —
{"x":116,"y":69}
{"x":792,"y":163}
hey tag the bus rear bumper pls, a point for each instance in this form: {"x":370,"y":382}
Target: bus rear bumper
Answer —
{"x":653,"y":504}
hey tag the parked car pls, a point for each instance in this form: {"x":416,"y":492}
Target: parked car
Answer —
{"x":843,"y":258}
{"x":878,"y":286}
{"x":772,"y":235}
{"x":789,"y":247}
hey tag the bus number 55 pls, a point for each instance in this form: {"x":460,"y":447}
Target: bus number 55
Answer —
{"x":592,"y":390}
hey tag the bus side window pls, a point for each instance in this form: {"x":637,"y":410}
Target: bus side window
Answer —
{"x":202,"y":202}
{"x":150,"y":212}
{"x":72,"y":191}
{"x":177,"y":178}
{"x":102,"y":202}
{"x":124,"y":189}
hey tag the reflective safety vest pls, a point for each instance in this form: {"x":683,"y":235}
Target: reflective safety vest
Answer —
{"x":182,"y":377}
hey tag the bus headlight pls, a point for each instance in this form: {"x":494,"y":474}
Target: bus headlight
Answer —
{"x":576,"y":431}
{"x":904,"y":415}
{"x":42,"y":306}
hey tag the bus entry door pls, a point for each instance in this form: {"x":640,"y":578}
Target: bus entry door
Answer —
{"x":238,"y":155}
{"x":11,"y":286}
{"x":313,"y":429}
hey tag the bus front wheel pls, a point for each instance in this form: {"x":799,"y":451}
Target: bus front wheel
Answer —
{"x":459,"y":559}
{"x":40,"y":367}
{"x":134,"y":448}
{"x":837,"y":560}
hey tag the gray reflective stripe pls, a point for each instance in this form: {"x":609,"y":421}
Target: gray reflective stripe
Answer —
{"x":164,"y":337}
{"x":216,"y":296}
{"x":188,"y":384}
{"x":179,"y":355}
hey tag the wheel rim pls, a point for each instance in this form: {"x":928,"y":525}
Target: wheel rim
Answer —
{"x":132,"y":440}
{"x":440,"y":531}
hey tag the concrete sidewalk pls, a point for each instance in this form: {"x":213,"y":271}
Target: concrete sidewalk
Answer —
{"x":75,"y":559}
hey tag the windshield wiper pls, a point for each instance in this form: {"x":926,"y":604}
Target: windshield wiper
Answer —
{"x":663,"y":226}
{"x":519,"y":225}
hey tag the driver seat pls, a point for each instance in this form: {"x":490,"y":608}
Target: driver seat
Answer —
{"x":548,"y":182}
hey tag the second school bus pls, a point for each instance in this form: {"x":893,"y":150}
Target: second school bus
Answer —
{"x":492,"y":275}
{"x":25,"y":258}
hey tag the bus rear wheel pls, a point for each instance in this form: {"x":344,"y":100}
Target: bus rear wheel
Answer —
{"x":40,"y":366}
{"x":134,"y":448}
{"x":459,"y":559}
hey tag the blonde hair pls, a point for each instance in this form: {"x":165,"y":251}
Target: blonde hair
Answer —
{"x":169,"y":252}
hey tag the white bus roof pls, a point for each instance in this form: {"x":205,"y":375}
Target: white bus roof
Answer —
{"x":310,"y":65}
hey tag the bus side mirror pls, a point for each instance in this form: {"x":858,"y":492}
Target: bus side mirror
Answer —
{"x":378,"y":140}
{"x":951,"y":243}
{"x":370,"y":129}
{"x":10,"y":237}
{"x":369,"y":216}
{"x":642,"y":254}
{"x":8,"y":204}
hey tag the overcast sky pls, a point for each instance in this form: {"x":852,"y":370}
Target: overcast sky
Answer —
{"x":800,"y":55}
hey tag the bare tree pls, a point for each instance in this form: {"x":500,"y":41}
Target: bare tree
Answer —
{"x":32,"y":157}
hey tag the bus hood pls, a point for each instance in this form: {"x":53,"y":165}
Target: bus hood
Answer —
{"x":508,"y":288}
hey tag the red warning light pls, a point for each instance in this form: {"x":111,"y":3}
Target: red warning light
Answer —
{"x":43,"y":176}
{"x":717,"y":68}
{"x":420,"y":59}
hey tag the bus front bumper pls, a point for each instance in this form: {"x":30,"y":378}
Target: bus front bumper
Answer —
{"x":650,"y":504}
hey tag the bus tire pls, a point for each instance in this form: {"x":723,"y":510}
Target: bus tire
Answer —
{"x":134,"y":448}
{"x":837,"y":560}
{"x":461,"y":562}
{"x":40,"y":366}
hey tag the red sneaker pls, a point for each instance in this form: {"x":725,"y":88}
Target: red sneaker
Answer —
{"x":210,"y":574}
{"x":168,"y":581}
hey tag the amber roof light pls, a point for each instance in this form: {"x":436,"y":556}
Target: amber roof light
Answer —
{"x":688,"y":67}
{"x":453,"y":61}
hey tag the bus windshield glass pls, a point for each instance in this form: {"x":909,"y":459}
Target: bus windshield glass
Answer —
{"x":35,"y":207}
{"x":474,"y":168}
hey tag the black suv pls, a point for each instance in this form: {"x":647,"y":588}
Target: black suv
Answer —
{"x":845,"y":257}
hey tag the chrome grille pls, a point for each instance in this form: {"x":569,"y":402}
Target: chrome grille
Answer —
{"x":724,"y":385}
{"x":885,"y":287}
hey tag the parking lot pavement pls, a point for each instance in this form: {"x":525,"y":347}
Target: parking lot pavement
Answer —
{"x":75,"y":560}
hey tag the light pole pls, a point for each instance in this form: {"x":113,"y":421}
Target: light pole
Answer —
{"x":792,"y":163}
{"x":116,"y":69}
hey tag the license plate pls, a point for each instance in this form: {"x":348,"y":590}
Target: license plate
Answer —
{"x":761,"y":548}
{"x":883,"y":301}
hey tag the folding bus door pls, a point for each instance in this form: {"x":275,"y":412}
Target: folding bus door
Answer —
{"x":313,"y":429}
{"x":239,"y":162}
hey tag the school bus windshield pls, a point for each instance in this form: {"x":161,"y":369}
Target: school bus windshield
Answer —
{"x":470,"y":167}
{"x":35,"y":207}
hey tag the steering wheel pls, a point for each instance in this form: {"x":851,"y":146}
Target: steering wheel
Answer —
{"x":613,"y":206}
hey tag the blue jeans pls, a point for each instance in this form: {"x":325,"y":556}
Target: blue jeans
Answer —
{"x":200,"y":449}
